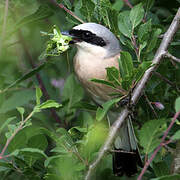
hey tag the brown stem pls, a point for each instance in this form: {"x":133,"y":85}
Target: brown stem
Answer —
{"x":70,"y":12}
{"x":159,"y":147}
{"x":128,"y":3}
{"x":150,"y":105}
{"x":164,"y":79}
{"x":133,"y":40}
{"x":15,"y":132}
{"x":172,"y":57}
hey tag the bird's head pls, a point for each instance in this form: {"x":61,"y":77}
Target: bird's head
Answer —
{"x":95,"y":39}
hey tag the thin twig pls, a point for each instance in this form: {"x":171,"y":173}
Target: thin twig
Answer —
{"x":167,"y":81}
{"x":164,"y":79}
{"x":172,"y":57}
{"x":54,"y":2}
{"x":150,"y":105}
{"x":137,"y":92}
{"x":71,"y":13}
{"x":15,"y":132}
{"x":128,"y":3}
{"x":159,"y":147}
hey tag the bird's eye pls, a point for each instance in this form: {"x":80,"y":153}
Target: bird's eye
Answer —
{"x":87,"y":34}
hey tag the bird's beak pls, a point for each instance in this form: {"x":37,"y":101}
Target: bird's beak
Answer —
{"x":66,"y":33}
{"x":74,"y":38}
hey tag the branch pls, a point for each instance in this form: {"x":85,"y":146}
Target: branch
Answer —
{"x":128,"y":3}
{"x":165,"y":79}
{"x":150,"y":105}
{"x":14,"y":134}
{"x":159,"y":147}
{"x":54,"y":2}
{"x":70,"y":12}
{"x":168,"y":55}
{"x":136,"y":93}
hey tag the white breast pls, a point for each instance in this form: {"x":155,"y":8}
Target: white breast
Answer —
{"x":88,"y":66}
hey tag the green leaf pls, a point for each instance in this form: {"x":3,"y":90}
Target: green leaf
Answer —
{"x":142,"y":46}
{"x":161,"y":168}
{"x":124,"y":24}
{"x":136,"y":15}
{"x":95,"y":138}
{"x":43,"y":12}
{"x":169,"y":177}
{"x":139,"y":72}
{"x":21,"y":110}
{"x":87,"y":9}
{"x":149,"y":134}
{"x":31,"y":155}
{"x":6,"y":123}
{"x":29,"y":152}
{"x":153,"y":41}
{"x":76,"y":128}
{"x":101,"y":112}
{"x":143,"y":31}
{"x":113,"y":75}
{"x":67,"y":3}
{"x":4,"y":167}
{"x":18,"y":142}
{"x":65,"y":142}
{"x":118,"y":5}
{"x":18,"y":98}
{"x":104,"y":8}
{"x":38,"y":95}
{"x":85,"y":105}
{"x":177,"y":104}
{"x":72,"y":93}
{"x":126,"y":65}
{"x":50,"y":159}
{"x":24,"y":77}
{"x":57,"y":44}
{"x":38,"y":141}
{"x":103,"y":82}
{"x":49,"y":104}
{"x":148,"y":4}
{"x":176,"y":136}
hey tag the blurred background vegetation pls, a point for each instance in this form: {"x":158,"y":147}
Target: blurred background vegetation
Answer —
{"x":69,"y":135}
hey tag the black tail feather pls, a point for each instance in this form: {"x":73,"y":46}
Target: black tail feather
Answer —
{"x":126,"y":162}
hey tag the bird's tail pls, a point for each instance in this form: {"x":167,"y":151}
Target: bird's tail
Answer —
{"x":126,"y":155}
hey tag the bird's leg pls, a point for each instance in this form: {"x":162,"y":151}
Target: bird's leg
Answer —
{"x":126,"y":101}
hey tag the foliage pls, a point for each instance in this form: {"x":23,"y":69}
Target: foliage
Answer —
{"x":39,"y":91}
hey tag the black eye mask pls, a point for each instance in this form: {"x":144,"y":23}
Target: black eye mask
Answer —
{"x":87,"y":36}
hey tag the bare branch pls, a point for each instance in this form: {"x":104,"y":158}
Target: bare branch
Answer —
{"x":172,"y":57}
{"x":54,"y":2}
{"x":137,"y":92}
{"x":14,"y":134}
{"x":159,"y":147}
{"x":70,"y":12}
{"x":150,"y":105}
{"x":164,"y":79}
{"x":128,"y":3}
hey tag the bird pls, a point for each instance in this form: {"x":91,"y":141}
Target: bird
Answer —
{"x":97,"y":49}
